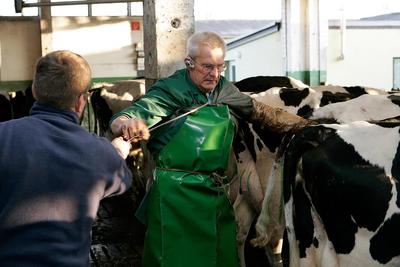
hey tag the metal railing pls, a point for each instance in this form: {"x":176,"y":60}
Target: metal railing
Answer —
{"x":20,"y":4}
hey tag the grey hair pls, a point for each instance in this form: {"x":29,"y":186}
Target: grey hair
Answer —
{"x":199,"y":39}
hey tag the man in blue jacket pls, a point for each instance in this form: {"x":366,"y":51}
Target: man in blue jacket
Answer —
{"x":53,"y":173}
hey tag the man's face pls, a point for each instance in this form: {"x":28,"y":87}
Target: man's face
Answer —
{"x":208,"y":66}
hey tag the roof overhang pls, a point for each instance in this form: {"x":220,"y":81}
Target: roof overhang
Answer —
{"x":264,"y":31}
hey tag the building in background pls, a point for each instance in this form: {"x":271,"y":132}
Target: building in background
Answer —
{"x":231,"y":29}
{"x":366,"y":52}
{"x":257,"y":53}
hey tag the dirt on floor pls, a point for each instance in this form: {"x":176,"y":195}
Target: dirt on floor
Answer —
{"x":117,"y":236}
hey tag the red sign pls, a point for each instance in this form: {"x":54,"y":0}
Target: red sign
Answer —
{"x":135,"y":25}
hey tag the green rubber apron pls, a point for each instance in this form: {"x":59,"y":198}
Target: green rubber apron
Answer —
{"x":190,"y":222}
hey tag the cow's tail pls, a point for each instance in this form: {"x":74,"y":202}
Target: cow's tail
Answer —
{"x":270,"y":225}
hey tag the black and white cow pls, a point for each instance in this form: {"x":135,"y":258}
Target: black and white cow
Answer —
{"x":257,"y":155}
{"x":270,"y":225}
{"x":321,"y":103}
{"x":107,"y":99}
{"x":365,"y":107}
{"x":258,"y":84}
{"x":340,"y":192}
{"x":304,"y":101}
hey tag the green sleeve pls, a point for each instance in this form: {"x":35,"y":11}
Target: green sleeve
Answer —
{"x":156,"y":104}
{"x":240,"y":104}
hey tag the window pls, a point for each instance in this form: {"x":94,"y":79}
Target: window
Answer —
{"x":396,"y":73}
{"x":119,"y":9}
{"x":230,"y":71}
{"x":76,"y":10}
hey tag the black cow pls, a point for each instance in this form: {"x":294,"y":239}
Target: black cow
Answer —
{"x":5,"y":107}
{"x":107,"y":99}
{"x":102,"y":112}
{"x":15,"y":105}
{"x":258,"y":84}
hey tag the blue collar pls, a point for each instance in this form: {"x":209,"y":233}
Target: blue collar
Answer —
{"x":45,"y":109}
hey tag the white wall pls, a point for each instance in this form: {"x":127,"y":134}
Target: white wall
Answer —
{"x":108,"y":43}
{"x":19,"y":48}
{"x":263,"y":56}
{"x":368,"y":59}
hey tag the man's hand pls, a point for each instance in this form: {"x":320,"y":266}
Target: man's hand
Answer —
{"x":131,"y":129}
{"x":123,"y":147}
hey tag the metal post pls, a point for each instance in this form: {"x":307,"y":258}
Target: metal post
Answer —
{"x":46,"y":28}
{"x":129,"y":7}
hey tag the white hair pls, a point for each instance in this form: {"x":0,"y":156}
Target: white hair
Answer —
{"x":199,"y":39}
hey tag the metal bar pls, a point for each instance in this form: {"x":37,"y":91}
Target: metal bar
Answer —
{"x":89,"y":8}
{"x":171,"y":120}
{"x":70,"y":3}
{"x":128,"y":7}
{"x":178,"y":117}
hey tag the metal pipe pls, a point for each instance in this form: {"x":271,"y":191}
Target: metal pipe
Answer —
{"x":70,"y":3}
{"x":89,"y":9}
{"x":129,"y":9}
{"x":342,"y":35}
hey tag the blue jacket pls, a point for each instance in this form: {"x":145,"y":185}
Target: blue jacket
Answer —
{"x":53,"y":173}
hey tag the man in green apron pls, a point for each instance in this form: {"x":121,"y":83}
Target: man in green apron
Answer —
{"x":190,"y":221}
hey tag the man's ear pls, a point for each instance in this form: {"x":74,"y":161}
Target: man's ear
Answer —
{"x":80,"y":104}
{"x":33,"y":92}
{"x":189,"y":63}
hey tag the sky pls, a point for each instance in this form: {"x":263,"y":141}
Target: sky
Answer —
{"x":271,"y":9}
{"x":243,"y":9}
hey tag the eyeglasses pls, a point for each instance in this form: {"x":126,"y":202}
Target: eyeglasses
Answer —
{"x":207,"y":68}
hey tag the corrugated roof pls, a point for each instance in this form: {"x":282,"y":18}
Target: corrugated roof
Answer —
{"x":230,"y":29}
{"x":272,"y":27}
{"x":366,"y":24}
{"x":389,"y":16}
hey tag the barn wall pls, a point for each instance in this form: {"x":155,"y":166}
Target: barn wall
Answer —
{"x":113,"y":46}
{"x":19,"y":50}
{"x":108,"y":43}
{"x":368,"y":58}
{"x":263,"y":56}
